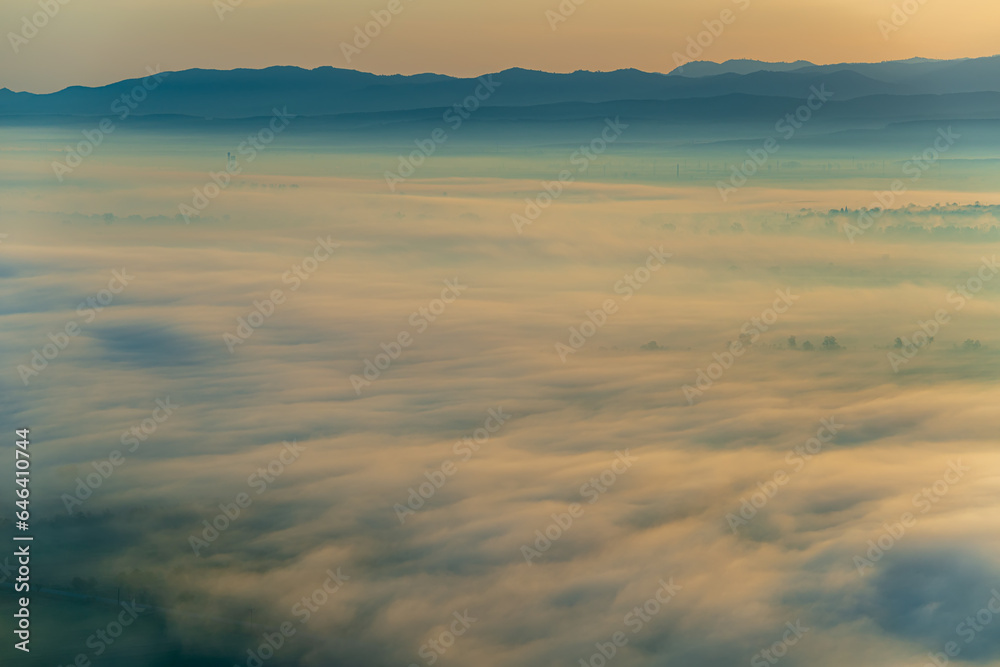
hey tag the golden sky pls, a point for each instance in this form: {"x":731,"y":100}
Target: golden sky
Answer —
{"x":100,"y":41}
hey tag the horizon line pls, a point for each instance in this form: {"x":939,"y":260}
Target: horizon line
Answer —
{"x":515,"y":67}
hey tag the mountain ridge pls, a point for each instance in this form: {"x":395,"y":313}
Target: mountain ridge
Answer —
{"x":327,"y":90}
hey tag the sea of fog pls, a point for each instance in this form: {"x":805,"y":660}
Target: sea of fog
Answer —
{"x":504,"y":410}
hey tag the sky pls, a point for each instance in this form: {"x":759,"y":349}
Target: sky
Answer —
{"x":102,"y":41}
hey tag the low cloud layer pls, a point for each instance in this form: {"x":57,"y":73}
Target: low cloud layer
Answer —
{"x":730,"y":495}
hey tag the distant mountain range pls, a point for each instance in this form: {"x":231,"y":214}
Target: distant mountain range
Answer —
{"x":326,"y":91}
{"x":887,"y":71}
{"x":699,"y":68}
